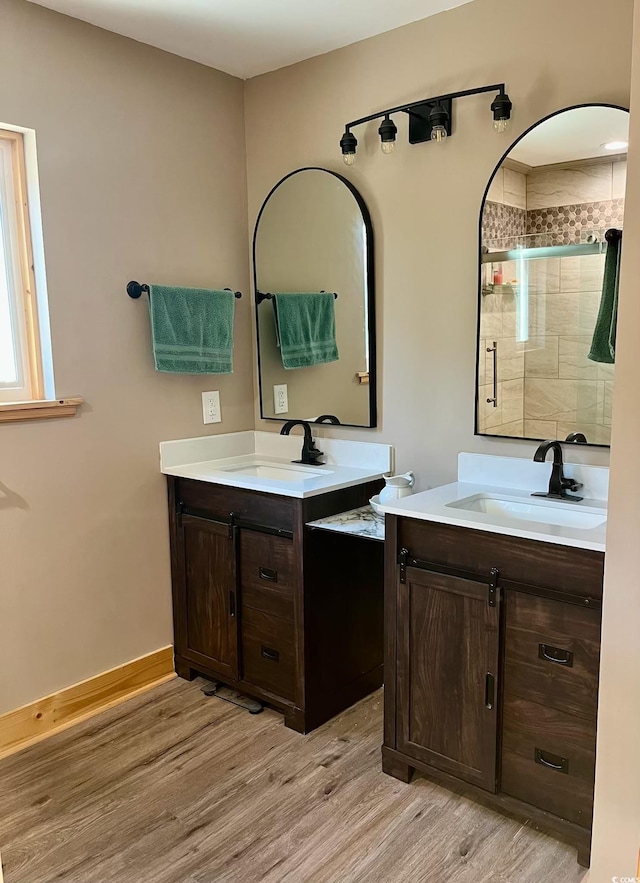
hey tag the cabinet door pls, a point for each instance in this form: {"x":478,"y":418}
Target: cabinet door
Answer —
{"x":209,"y":621}
{"x":447,"y":648}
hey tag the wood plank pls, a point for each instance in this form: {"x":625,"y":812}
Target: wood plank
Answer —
{"x":39,"y":410}
{"x":176,"y":788}
{"x":43,"y":718}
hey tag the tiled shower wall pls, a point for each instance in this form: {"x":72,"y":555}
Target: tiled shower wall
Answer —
{"x":557,"y":204}
{"x":547,"y":386}
{"x":504,"y":217}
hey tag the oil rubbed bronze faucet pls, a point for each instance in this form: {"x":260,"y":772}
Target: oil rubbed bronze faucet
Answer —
{"x":310,"y":453}
{"x":558,"y":484}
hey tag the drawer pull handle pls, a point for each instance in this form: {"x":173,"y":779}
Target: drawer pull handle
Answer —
{"x":489,"y":691}
{"x":268,"y":653}
{"x":552,"y":761}
{"x":268,"y":574}
{"x":555,"y":654}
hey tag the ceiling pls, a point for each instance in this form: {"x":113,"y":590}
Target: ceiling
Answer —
{"x":573,"y":135}
{"x":249,"y":37}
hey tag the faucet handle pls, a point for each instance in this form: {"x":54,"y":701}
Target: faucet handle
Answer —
{"x":310,"y":453}
{"x":571,"y":485}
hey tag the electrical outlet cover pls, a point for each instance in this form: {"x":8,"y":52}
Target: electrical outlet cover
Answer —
{"x":211,"y":407}
{"x":280,"y":398}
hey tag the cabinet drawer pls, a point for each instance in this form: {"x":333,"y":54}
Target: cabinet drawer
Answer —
{"x":548,"y":759}
{"x":561,"y":568}
{"x":268,"y":652}
{"x":552,"y":654}
{"x":266,"y":573}
{"x":217,"y":501}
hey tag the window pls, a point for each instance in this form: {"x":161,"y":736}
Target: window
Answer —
{"x":20,"y":355}
{"x":26,"y":375}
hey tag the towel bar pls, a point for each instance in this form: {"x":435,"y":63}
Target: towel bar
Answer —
{"x":135,"y":289}
{"x":265,"y":295}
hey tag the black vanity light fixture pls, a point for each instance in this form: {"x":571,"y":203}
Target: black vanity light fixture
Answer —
{"x":429,"y":120}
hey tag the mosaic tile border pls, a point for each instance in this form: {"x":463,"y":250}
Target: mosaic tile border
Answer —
{"x":502,"y":221}
{"x":557,"y":225}
{"x":568,"y":224}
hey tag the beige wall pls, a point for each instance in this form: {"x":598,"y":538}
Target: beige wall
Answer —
{"x":142,"y":172}
{"x":616,"y":833}
{"x":425,"y":199}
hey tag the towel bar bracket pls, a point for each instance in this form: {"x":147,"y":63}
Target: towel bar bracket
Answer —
{"x":135,"y":290}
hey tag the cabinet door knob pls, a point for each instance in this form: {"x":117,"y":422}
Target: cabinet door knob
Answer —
{"x":555,"y":654}
{"x":269,"y":653}
{"x":268,"y":574}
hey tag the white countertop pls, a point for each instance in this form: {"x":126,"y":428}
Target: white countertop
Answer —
{"x":346,"y":464}
{"x":333,"y":478}
{"x":433,"y":505}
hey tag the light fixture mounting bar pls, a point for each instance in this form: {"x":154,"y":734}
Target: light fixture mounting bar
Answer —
{"x":417,"y":108}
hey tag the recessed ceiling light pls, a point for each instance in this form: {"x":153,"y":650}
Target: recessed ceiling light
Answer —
{"x":616,"y":145}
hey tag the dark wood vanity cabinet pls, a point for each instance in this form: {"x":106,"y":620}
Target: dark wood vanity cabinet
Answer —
{"x":447,"y":660}
{"x":207,"y":624}
{"x":262,"y":605}
{"x":491,"y":670}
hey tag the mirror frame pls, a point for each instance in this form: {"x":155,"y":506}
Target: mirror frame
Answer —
{"x":479,"y":300}
{"x":369,"y":294}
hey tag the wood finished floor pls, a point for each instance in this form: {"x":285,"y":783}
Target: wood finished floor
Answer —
{"x":172,"y":787}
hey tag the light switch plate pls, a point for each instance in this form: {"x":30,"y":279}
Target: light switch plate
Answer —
{"x":280,"y":398}
{"x":211,"y":407}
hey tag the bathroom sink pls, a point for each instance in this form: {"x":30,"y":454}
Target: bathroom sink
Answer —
{"x":546,"y":511}
{"x":274,"y":471}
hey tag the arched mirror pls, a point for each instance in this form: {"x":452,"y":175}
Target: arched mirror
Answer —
{"x":550,"y":242}
{"x":313,"y":248}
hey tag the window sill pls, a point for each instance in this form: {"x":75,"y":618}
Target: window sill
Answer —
{"x":10,"y":412}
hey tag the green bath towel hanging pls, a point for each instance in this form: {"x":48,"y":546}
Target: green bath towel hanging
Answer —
{"x":307,"y":328}
{"x":603,"y":345}
{"x":192,"y":329}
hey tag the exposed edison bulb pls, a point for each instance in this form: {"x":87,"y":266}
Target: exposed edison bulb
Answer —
{"x":348,"y":158}
{"x":501,"y":125}
{"x":438,"y":133}
{"x":387,"y":147}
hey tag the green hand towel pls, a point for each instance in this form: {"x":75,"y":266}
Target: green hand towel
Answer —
{"x":307,"y":328}
{"x":192,"y":330}
{"x":603,"y":345}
